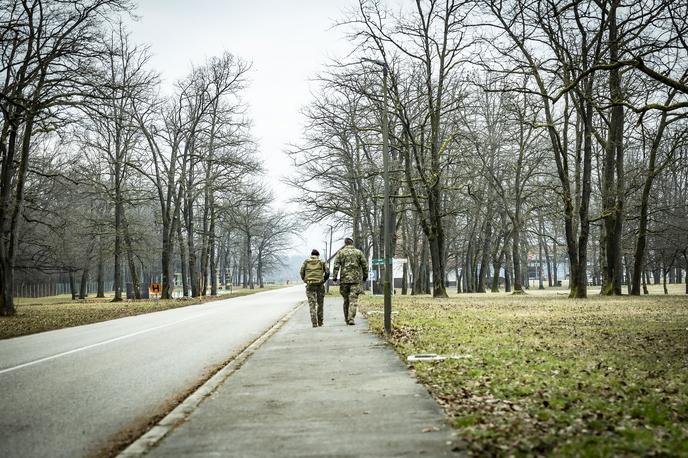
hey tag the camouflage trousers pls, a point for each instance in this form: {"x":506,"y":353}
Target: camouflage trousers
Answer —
{"x":316,"y":297}
{"x":350,"y":293}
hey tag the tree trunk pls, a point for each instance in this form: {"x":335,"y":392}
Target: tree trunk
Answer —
{"x":249,"y":262}
{"x":524,"y":263}
{"x":497,"y":266}
{"x":8,"y":145}
{"x":664,"y":280}
{"x":426,"y":279}
{"x":604,"y":283}
{"x":507,"y":271}
{"x":425,"y":268}
{"x":468,"y":269}
{"x":577,"y":250}
{"x":83,"y":286}
{"x":541,"y":284}
{"x":404,"y":279}
{"x":205,"y":231}
{"x":516,"y":257}
{"x":72,"y":285}
{"x":613,"y":174}
{"x":496,"y":260}
{"x":183,"y":258}
{"x":244,"y":267}
{"x":136,"y":284}
{"x":193,"y":267}
{"x":627,"y":265}
{"x":484,"y":260}
{"x":555,"y":261}
{"x":119,"y":209}
{"x":167,"y":287}
{"x":259,"y":270}
{"x":9,"y":226}
{"x":685,"y":257}
{"x":235,"y":272}
{"x":495,"y":276}
{"x":544,"y":245}
{"x":213,"y":257}
{"x":100,"y":275}
{"x":6,"y":283}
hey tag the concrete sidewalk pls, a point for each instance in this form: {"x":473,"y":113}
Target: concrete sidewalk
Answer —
{"x":336,"y":390}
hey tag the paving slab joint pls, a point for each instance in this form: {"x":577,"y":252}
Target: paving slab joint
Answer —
{"x":182,"y":412}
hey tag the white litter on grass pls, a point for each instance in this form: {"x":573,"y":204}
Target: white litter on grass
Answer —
{"x":380,"y":312}
{"x":435,"y":357}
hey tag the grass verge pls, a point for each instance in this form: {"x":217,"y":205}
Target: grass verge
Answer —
{"x":552,"y":376}
{"x":57,"y":312}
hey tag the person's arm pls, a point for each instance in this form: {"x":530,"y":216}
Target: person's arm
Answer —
{"x":336,"y":269}
{"x":327,"y":271}
{"x":303,"y":271}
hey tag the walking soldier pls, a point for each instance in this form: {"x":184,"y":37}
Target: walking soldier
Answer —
{"x":354,"y":270}
{"x":314,"y":272}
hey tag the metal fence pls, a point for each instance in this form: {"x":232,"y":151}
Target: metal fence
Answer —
{"x":55,"y":289}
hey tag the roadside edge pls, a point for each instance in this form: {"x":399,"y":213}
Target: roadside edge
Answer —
{"x":181,"y":413}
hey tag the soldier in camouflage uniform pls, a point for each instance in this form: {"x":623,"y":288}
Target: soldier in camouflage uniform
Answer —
{"x":315,"y":273}
{"x":354,"y":270}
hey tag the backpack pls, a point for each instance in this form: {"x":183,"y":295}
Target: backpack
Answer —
{"x":315,"y":271}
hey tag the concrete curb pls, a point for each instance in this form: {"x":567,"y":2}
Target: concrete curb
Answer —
{"x":180,"y":413}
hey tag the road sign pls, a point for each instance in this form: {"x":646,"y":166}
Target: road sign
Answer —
{"x":378,"y":262}
{"x":372,"y":275}
{"x":155,"y":288}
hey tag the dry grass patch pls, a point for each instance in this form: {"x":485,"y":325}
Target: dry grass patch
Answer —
{"x":553,"y":376}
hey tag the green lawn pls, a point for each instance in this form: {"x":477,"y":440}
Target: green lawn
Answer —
{"x":56,"y":312}
{"x":545,"y":375}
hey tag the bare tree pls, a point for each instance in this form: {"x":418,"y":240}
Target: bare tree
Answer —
{"x":46,"y":48}
{"x":273,"y":239}
{"x":110,"y":132}
{"x":430,"y":41}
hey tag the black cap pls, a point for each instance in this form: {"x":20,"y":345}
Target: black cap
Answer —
{"x":315,"y":253}
{"x":349,"y":241}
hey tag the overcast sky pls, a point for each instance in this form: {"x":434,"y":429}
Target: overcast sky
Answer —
{"x":288,"y":42}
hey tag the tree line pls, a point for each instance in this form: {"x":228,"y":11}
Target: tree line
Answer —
{"x":106,"y":174}
{"x":518,"y":128}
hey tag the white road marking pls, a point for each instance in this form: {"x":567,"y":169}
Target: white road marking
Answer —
{"x":105,"y":342}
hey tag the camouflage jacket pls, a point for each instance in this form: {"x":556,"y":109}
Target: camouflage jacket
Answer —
{"x":353,"y":265}
{"x":305,"y":274}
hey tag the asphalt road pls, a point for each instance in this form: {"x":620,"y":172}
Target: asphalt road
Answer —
{"x":70,"y":392}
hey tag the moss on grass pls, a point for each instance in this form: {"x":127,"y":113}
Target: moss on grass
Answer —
{"x":550,"y":375}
